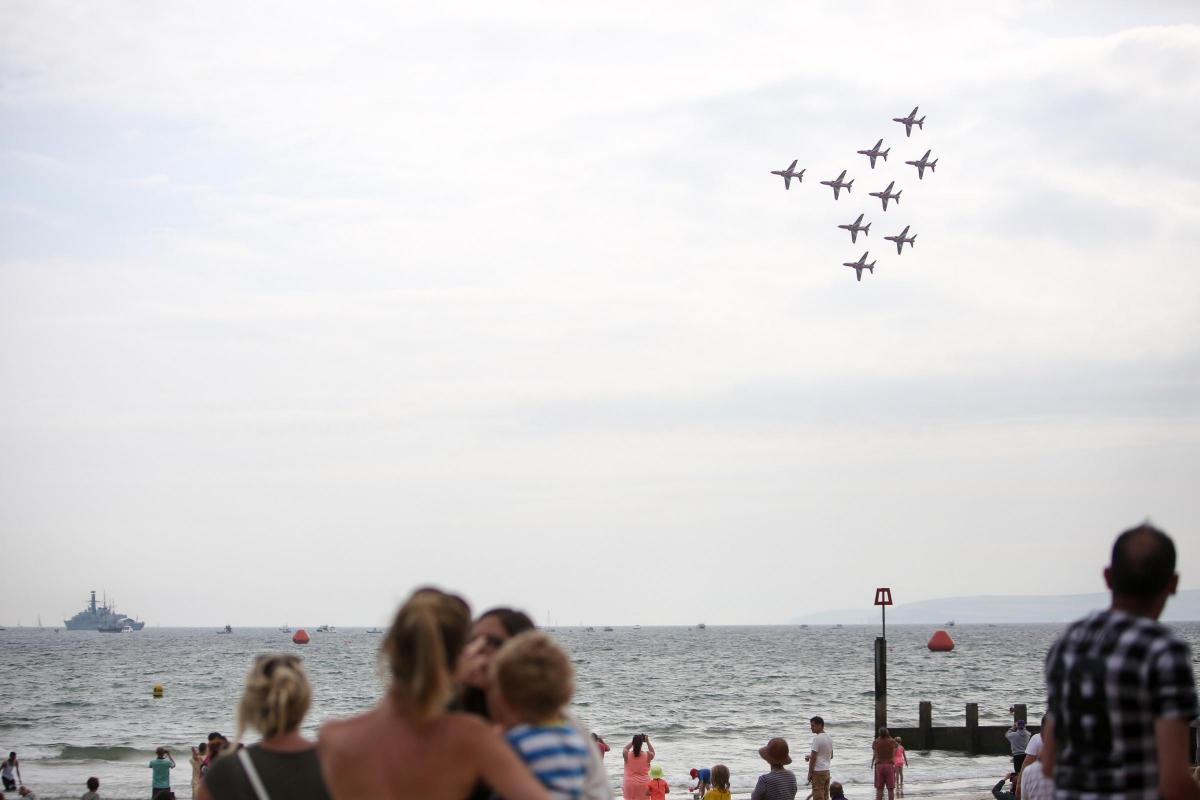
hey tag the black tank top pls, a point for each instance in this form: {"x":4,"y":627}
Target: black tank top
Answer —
{"x":286,"y":776}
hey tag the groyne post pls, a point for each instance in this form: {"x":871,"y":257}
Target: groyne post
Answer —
{"x":972,"y":728}
{"x":925,"y":725}
{"x":1019,"y":712}
{"x":883,"y":599}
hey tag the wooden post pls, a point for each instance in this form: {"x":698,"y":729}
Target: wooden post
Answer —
{"x":880,"y":683}
{"x":1019,"y":712}
{"x":925,"y":714}
{"x":972,"y":728}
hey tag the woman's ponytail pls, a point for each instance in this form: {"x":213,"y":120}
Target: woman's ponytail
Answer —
{"x":422,"y":648}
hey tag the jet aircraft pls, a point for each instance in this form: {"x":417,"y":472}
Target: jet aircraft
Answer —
{"x":875,"y":153}
{"x":922,"y":163}
{"x":909,"y":121}
{"x":789,"y":173}
{"x":855,"y":227}
{"x":886,"y":195}
{"x":901,"y":238}
{"x":860,"y":265}
{"x":837,"y":184}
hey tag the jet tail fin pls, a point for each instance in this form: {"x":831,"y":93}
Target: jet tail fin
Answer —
{"x":848,"y":185}
{"x":867,"y":230}
{"x":913,"y":240}
{"x":897,"y":197}
{"x":933,"y":166}
{"x":884,"y":153}
{"x":921,"y":123}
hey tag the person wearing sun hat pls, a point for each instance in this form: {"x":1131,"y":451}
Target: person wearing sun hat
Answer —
{"x":659,"y":788}
{"x":780,"y":782}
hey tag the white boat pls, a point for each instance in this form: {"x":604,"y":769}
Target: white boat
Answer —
{"x":284,"y":628}
{"x":374,"y":630}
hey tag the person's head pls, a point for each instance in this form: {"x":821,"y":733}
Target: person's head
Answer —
{"x":638,"y":740}
{"x":836,"y":791}
{"x":656,"y":771}
{"x":883,"y":733}
{"x":817,"y":724}
{"x":276,"y":697}
{"x":531,"y":679}
{"x":489,"y":632}
{"x":899,"y":741}
{"x":720,"y":777}
{"x":203,"y":748}
{"x":161,"y":752}
{"x":215,"y":747}
{"x":775,"y":752}
{"x":694,"y":772}
{"x":1142,"y":571}
{"x":93,"y":784}
{"x":212,"y":737}
{"x":422,"y":647}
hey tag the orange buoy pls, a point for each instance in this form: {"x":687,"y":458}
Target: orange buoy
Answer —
{"x":941,"y":642}
{"x":300,"y":636}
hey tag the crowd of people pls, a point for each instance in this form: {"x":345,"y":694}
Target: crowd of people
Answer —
{"x":477,"y":708}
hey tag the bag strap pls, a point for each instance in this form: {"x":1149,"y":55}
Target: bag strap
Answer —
{"x":255,"y":782}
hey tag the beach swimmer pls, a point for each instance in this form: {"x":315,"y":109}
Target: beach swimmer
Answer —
{"x":883,"y":759}
{"x":532,"y":682}
{"x":836,"y":791}
{"x":720,"y":779}
{"x":10,"y":772}
{"x":93,"y":790}
{"x":161,"y":766}
{"x":703,"y":779}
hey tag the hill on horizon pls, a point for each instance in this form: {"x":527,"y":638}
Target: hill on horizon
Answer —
{"x":1184,"y":606}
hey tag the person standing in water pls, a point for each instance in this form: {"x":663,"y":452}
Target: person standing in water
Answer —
{"x":10,"y":773}
{"x":636,"y":784}
{"x":161,"y":766}
{"x":883,"y":758}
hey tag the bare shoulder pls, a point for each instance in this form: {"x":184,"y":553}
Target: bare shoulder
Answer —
{"x":339,"y":735}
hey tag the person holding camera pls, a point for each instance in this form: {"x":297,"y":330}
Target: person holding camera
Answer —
{"x":160,"y":785}
{"x":637,"y":756}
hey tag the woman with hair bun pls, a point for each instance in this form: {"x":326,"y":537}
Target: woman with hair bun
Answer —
{"x":409,"y":745}
{"x":284,"y":765}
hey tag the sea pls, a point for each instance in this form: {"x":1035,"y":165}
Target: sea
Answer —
{"x":75,"y":704}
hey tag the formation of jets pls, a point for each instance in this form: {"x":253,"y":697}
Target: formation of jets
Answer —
{"x":837,"y":184}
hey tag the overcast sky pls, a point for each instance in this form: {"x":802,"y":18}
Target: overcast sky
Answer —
{"x":304,"y":305}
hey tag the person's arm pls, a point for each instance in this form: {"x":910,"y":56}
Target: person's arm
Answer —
{"x":998,"y":794}
{"x":812,"y":759}
{"x":905,"y":754}
{"x":202,"y":792}
{"x":1174,"y":764}
{"x":500,"y":768}
{"x":625,"y":751}
{"x":760,"y":791}
{"x":649,"y":748}
{"x":1046,"y":757}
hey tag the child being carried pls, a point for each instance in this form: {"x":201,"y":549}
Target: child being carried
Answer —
{"x":532,"y":682}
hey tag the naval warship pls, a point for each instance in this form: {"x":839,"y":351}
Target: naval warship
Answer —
{"x":101,"y":617}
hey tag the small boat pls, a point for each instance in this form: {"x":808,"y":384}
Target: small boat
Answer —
{"x":637,"y":627}
{"x":950,"y":624}
{"x":608,"y":629}
{"x":284,"y":628}
{"x":701,"y":626}
{"x":590,"y":629}
{"x":227,"y":630}
{"x":326,"y":629}
{"x":374,"y":630}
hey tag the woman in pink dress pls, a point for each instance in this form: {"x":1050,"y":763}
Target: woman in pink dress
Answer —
{"x":637,"y":755}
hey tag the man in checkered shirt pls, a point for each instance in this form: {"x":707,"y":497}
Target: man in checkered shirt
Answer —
{"x":1119,"y":687}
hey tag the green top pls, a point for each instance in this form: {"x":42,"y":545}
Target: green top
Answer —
{"x":162,"y":773}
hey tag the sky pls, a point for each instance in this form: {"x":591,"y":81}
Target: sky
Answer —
{"x":305,"y":305}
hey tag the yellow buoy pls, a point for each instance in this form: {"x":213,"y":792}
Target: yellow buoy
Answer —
{"x":158,"y":690}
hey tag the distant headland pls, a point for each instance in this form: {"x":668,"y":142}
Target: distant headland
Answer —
{"x":1184,"y":606}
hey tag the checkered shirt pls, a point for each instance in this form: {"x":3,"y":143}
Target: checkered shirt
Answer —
{"x":1108,"y":679}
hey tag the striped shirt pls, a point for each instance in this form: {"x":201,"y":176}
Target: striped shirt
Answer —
{"x":556,"y":754}
{"x":1108,"y":679}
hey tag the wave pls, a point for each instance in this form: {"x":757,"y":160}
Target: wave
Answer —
{"x":72,"y":752}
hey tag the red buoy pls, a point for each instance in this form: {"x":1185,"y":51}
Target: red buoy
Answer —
{"x":941,"y":642}
{"x":301,"y":637}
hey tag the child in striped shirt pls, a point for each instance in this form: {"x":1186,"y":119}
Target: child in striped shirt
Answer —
{"x":532,"y":682}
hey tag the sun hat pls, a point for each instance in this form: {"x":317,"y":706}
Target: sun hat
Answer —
{"x":775,"y":752}
{"x":656,"y":771}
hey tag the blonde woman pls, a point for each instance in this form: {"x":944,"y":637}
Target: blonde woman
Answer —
{"x":284,"y":765}
{"x":409,"y":746}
